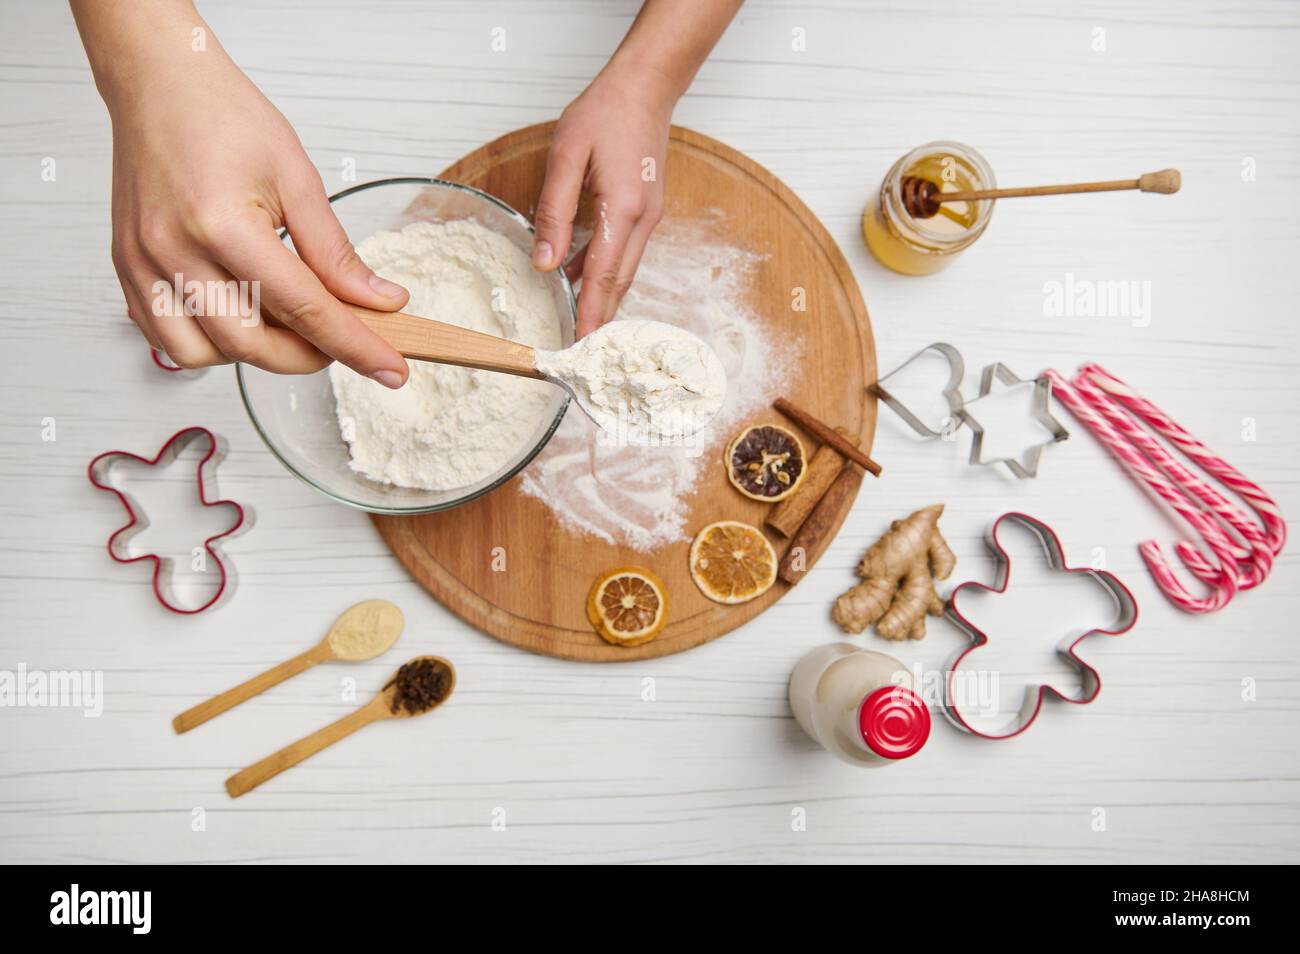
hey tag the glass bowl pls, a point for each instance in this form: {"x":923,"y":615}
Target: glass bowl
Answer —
{"x":295,"y":414}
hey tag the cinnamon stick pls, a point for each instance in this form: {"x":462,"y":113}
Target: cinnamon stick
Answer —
{"x":788,"y":515}
{"x":826,"y":434}
{"x":819,"y":529}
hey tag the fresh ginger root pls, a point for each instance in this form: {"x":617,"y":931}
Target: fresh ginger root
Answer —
{"x":896,"y":589}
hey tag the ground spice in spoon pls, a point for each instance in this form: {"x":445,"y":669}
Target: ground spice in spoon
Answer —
{"x":421,"y":684}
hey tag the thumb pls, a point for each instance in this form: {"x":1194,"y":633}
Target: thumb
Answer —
{"x":324,"y":246}
{"x":557,"y":205}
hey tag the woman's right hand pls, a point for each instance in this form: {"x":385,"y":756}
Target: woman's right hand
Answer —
{"x":205,"y":171}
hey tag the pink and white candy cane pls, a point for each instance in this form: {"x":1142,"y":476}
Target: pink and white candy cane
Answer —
{"x":1211,"y":463}
{"x":1254,"y":561}
{"x":1224,"y":585}
{"x":1104,"y":404}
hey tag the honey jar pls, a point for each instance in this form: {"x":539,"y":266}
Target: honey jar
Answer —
{"x":899,"y":233}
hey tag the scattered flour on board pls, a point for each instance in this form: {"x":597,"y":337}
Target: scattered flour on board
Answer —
{"x":638,"y":496}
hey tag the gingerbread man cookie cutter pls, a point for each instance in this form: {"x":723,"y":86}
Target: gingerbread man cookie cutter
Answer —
{"x":99,"y":471}
{"x":1090,"y":681}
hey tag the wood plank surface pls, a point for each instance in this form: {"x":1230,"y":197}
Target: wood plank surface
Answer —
{"x":1189,"y":751}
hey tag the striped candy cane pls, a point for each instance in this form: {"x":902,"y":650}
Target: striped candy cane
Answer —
{"x":1264,"y":505}
{"x":1222,"y":577}
{"x":1254,"y":561}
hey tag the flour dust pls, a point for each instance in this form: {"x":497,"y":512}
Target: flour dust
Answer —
{"x":639,"y":496}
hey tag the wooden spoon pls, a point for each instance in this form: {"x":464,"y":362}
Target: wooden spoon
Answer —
{"x":380,"y":707}
{"x":426,"y":339}
{"x":364,"y":631}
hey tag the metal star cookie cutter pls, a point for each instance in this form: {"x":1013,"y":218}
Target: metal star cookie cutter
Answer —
{"x":1023,"y":469}
{"x":99,"y":471}
{"x":1090,"y":681}
{"x":951,"y":390}
{"x":1042,"y":398}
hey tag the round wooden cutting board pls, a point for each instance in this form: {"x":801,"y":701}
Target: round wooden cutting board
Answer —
{"x":539,"y":601}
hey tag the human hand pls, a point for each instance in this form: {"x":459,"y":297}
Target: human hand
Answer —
{"x":612,"y":139}
{"x":205,"y":170}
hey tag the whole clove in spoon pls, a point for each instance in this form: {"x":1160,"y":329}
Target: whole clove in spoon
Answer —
{"x":362,"y":632}
{"x":644,"y":381}
{"x":418,"y":687}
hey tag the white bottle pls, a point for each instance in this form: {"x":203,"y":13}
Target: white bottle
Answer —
{"x":858,"y":704}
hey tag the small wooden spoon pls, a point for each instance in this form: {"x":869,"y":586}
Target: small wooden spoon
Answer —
{"x":380,"y":707}
{"x":364,"y":631}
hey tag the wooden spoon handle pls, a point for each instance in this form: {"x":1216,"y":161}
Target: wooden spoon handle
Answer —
{"x":246,"y":690}
{"x":427,"y":340}
{"x":289,"y":756}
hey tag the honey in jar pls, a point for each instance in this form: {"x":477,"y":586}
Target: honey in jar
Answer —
{"x":899,"y":233}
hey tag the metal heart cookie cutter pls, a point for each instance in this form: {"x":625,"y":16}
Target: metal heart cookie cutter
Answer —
{"x":1090,"y":682}
{"x":951,"y":391}
{"x":99,"y":471}
{"x":959,"y":408}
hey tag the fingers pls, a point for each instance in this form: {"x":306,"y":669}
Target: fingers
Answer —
{"x":558,"y":204}
{"x":324,"y":246}
{"x":157,"y":309}
{"x":151,"y":305}
{"x":137,"y":307}
{"x":231,"y":320}
{"x":295,"y":296}
{"x":631,"y":261}
{"x":178,"y":333}
{"x":215,"y":319}
{"x":573,"y":270}
{"x":211,"y":320}
{"x":613,"y":226}
{"x":138,"y":316}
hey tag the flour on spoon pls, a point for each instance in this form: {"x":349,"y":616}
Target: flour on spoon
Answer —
{"x":647,"y":381}
{"x":694,"y":277}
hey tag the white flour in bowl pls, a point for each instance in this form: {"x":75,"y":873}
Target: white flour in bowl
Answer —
{"x":451,"y":427}
{"x":639,"y":496}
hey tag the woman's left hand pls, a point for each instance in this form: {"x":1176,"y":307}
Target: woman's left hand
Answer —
{"x":612,"y":140}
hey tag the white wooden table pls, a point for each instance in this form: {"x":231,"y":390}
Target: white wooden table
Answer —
{"x":541,"y":760}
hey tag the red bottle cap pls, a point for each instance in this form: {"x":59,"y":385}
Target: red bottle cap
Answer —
{"x":894,"y":722}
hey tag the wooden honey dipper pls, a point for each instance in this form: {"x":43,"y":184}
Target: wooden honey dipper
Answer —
{"x":922,"y":198}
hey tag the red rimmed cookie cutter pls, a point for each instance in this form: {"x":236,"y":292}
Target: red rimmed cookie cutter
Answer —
{"x":1090,"y":681}
{"x":98,"y":471}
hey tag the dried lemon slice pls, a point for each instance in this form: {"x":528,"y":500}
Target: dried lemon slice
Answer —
{"x":766,"y":462}
{"x":732,"y":562}
{"x":627,"y":606}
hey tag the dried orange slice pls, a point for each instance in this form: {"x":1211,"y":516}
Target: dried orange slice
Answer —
{"x":766,"y":462}
{"x":627,"y":606}
{"x":732,"y":562}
